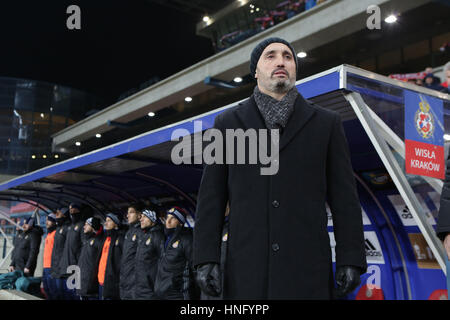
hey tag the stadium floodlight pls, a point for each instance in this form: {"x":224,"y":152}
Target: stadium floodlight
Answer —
{"x":56,"y":156}
{"x":78,"y":143}
{"x":151,"y":114}
{"x":44,"y":156}
{"x":391,"y":19}
{"x":98,"y":135}
{"x":33,"y":156}
{"x":188,"y":99}
{"x":205,"y":19}
{"x":301,"y":54}
{"x":237,"y":79}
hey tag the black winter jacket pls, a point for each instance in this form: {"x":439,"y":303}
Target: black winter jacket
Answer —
{"x":111,"y":289}
{"x":127,"y":265}
{"x":91,"y":251}
{"x":72,"y":245}
{"x":58,"y":246}
{"x":175,"y":277}
{"x":26,"y":249}
{"x":147,"y":254}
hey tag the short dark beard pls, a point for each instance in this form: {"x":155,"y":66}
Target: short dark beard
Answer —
{"x":282,"y":86}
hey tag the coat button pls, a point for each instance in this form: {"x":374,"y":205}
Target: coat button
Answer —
{"x":275,"y":247}
{"x":275,"y":204}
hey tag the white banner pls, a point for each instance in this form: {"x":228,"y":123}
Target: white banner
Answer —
{"x":403,"y":211}
{"x":374,"y":254}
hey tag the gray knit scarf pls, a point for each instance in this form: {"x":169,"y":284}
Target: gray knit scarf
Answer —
{"x":275,"y":113}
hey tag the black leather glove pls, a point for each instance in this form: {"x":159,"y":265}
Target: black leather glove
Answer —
{"x":347,"y":279}
{"x":208,"y":279}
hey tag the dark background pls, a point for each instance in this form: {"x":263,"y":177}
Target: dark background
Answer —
{"x":121,"y":44}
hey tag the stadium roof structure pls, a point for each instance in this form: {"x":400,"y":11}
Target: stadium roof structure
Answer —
{"x":329,"y":21}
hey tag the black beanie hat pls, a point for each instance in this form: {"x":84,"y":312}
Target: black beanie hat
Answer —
{"x":256,"y":53}
{"x":52,"y":217}
{"x":94,"y":222}
{"x":64,"y":211}
{"x":114,"y":217}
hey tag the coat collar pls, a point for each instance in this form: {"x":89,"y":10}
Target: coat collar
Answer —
{"x":250,"y":117}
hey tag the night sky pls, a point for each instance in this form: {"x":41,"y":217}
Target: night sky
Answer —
{"x":120,"y":45}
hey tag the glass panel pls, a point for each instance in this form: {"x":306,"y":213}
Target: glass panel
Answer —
{"x":387,"y":101}
{"x":384,"y":99}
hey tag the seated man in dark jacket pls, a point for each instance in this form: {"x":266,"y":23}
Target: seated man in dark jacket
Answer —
{"x":109,"y":265}
{"x":26,"y":248}
{"x":17,"y":238}
{"x":89,"y":258}
{"x":175,"y":278}
{"x":148,"y":251}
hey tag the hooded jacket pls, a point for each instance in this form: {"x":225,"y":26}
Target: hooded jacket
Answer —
{"x":147,"y":255}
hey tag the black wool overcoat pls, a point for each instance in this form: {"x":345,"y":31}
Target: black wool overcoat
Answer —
{"x":278,"y":243}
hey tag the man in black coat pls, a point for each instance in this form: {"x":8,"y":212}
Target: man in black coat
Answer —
{"x":127,"y":266}
{"x":111,"y":257}
{"x":72,"y":245}
{"x":278,"y":243}
{"x":175,"y":278}
{"x":89,"y":259}
{"x":26,"y":248}
{"x":62,"y":226}
{"x":148,"y":251}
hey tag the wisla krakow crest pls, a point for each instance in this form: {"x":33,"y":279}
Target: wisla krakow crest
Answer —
{"x":424,"y":120}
